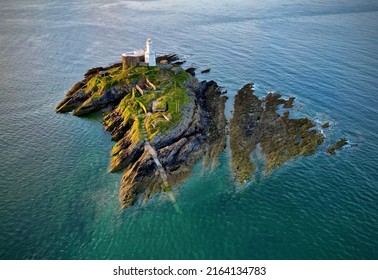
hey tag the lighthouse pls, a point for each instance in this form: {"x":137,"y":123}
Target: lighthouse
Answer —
{"x":149,"y":54}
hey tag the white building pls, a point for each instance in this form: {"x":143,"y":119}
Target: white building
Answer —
{"x":145,"y":57}
{"x":149,"y":54}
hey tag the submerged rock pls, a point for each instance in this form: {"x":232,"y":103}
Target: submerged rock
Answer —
{"x":325,"y":125}
{"x":207,"y":70}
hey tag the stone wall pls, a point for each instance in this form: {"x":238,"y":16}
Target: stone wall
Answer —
{"x":128,"y":61}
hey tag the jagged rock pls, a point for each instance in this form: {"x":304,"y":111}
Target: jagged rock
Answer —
{"x":83,"y":101}
{"x":289,"y":103}
{"x":191,"y":71}
{"x":207,"y":70}
{"x":256,"y":122}
{"x":178,"y":63}
{"x":170,"y":58}
{"x":106,"y":98}
{"x":339,"y":144}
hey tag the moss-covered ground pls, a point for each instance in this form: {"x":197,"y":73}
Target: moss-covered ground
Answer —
{"x":136,"y":108}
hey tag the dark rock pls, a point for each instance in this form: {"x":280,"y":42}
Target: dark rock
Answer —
{"x":178,"y":63}
{"x":339,"y":144}
{"x":289,"y":103}
{"x":78,"y":97}
{"x":191,"y":71}
{"x":200,"y":132}
{"x":256,"y":122}
{"x":106,"y":98}
{"x":170,"y":58}
{"x":93,"y":71}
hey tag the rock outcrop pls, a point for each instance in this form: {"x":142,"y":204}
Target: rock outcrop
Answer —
{"x":256,"y":122}
{"x":198,"y":132}
{"x":339,"y":144}
{"x":82,"y":100}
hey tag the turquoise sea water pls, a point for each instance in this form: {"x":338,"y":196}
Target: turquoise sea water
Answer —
{"x":57,"y":200}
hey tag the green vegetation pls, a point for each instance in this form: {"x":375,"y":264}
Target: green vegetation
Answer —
{"x":136,"y":130}
{"x":175,"y":98}
{"x":129,"y":108}
{"x":161,"y":105}
{"x":166,"y":188}
{"x":136,"y":108}
{"x":141,"y":105}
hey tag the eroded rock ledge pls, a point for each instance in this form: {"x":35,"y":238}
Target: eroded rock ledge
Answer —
{"x":256,"y":121}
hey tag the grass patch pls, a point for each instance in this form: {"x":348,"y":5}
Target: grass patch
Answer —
{"x":172,"y":94}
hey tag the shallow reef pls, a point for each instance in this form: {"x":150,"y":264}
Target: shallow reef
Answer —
{"x":255,"y":122}
{"x":339,"y":144}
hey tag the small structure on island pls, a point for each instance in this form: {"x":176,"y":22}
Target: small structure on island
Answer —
{"x":130,"y":59}
{"x":103,"y":73}
{"x":167,"y":117}
{"x":146,"y":57}
{"x":159,"y":106}
{"x":139,"y":89}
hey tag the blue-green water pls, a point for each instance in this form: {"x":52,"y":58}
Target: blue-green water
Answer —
{"x":57,"y":200}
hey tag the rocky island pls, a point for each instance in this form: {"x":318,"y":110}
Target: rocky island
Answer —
{"x":163,"y":120}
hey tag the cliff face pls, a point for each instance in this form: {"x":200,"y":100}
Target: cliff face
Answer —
{"x":200,"y":133}
{"x":83,"y":99}
{"x":156,"y":149}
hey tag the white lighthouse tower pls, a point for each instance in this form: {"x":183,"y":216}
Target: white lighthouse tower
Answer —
{"x":149,"y":54}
